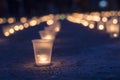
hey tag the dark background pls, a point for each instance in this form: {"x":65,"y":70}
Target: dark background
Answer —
{"x":20,"y":8}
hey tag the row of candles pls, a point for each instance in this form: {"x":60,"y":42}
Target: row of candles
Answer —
{"x":109,"y":24}
{"x":89,"y":16}
{"x":105,"y":20}
{"x":43,"y":47}
{"x":27,"y":23}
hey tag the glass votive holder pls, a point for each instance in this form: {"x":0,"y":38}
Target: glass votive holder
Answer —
{"x":42,"y":51}
{"x":47,"y":35}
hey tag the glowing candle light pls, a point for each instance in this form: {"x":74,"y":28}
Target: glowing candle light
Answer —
{"x":16,"y":28}
{"x":26,"y":25}
{"x":115,"y":35}
{"x":91,"y":26}
{"x":113,"y":27}
{"x":43,"y":59}
{"x":33,"y":22}
{"x":11,"y":20}
{"x":1,"y":20}
{"x":21,"y":27}
{"x":101,"y":27}
{"x":50,"y":22}
{"x":104,"y":19}
{"x":47,"y":35}
{"x":115,"y":21}
{"x":23,"y":19}
{"x":6,"y":34}
{"x":11,"y":30}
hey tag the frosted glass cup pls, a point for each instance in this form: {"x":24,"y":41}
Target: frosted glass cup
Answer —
{"x":42,"y":51}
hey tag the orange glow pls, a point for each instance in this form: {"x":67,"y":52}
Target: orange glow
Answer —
{"x":23,"y":19}
{"x":70,"y":18}
{"x":11,"y":31}
{"x":26,"y":25}
{"x":118,"y":13}
{"x":96,"y":18}
{"x":113,"y":28}
{"x":33,"y":23}
{"x":101,"y":27}
{"x":48,"y":37}
{"x":77,"y":15}
{"x":44,"y":18}
{"x":115,"y":35}
{"x":1,"y":20}
{"x":50,"y":22}
{"x":89,"y":17}
{"x":51,"y":16}
{"x":115,"y":21}
{"x":104,"y":19}
{"x":57,"y":29}
{"x":11,"y":20}
{"x":21,"y":27}
{"x":6,"y":34}
{"x":16,"y":28}
{"x":85,"y":23}
{"x":91,"y":26}
{"x":42,"y":59}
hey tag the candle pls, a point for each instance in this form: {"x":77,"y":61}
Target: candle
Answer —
{"x":47,"y":35}
{"x":42,"y":51}
{"x":43,"y":60}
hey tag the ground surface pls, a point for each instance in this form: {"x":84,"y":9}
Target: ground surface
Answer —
{"x":78,"y":54}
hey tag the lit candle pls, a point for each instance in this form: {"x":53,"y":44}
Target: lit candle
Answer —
{"x":42,"y":60}
{"x":47,"y":35}
{"x":42,"y":51}
{"x":114,"y":35}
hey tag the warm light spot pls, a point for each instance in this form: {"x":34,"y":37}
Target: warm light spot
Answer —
{"x":11,"y":20}
{"x":115,"y":21}
{"x":115,"y":35}
{"x":44,"y":18}
{"x":11,"y":31}
{"x":6,"y":34}
{"x":38,"y":21}
{"x":21,"y":27}
{"x":16,"y":28}
{"x":51,"y":16}
{"x":57,"y":29}
{"x":91,"y":26}
{"x":113,"y":28}
{"x":50,"y":22}
{"x":85,"y":23}
{"x":104,"y":19}
{"x":77,"y":20}
{"x":26,"y":25}
{"x":70,"y":18}
{"x":118,"y":13}
{"x":96,"y":18}
{"x":1,"y":20}
{"x":48,"y":37}
{"x":112,"y":13}
{"x":89,"y":17}
{"x":101,"y":27}
{"x":23,"y":19}
{"x":43,"y":59}
{"x":33,"y":23}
